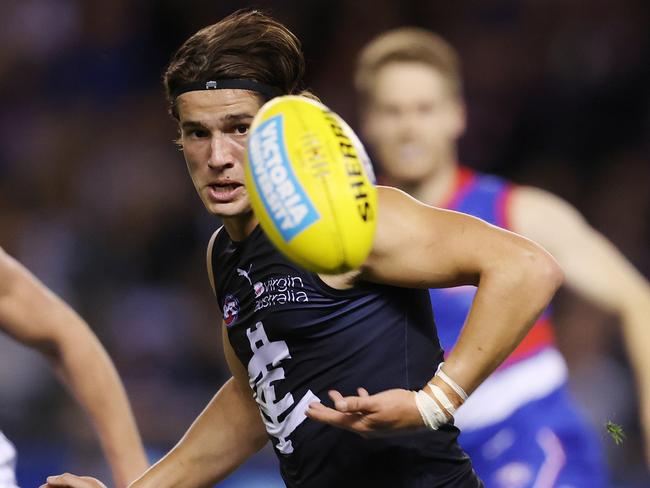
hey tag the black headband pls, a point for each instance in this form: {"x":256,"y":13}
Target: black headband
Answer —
{"x":267,"y":91}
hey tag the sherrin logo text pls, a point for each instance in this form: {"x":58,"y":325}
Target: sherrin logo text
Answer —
{"x":283,"y":197}
{"x":354,"y":167}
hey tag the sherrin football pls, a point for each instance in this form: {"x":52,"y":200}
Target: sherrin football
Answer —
{"x":311,"y":185}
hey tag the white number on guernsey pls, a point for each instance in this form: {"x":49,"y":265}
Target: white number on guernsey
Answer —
{"x":263,"y":371}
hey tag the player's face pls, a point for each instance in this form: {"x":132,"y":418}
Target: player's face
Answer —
{"x":413,"y":121}
{"x":214,"y":127}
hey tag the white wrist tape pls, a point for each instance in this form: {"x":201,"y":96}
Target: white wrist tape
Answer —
{"x":442,"y":398}
{"x":431,"y":413}
{"x":452,"y":384}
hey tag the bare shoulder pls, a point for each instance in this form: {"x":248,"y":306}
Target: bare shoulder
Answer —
{"x":409,"y":234}
{"x":395,"y":208}
{"x":402,"y":218}
{"x":5,"y":259}
{"x":395,"y":204}
{"x":392,"y":208}
{"x":539,"y":199}
{"x":535,"y":212}
{"x":9,"y":269}
{"x":391,"y":200}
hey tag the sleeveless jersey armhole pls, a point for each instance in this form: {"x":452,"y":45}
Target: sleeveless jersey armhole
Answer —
{"x":210,"y":264}
{"x":328,"y":290}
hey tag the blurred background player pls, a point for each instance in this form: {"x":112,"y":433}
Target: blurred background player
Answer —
{"x":520,"y":427}
{"x":34,"y":316}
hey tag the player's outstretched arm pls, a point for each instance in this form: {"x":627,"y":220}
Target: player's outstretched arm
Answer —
{"x":595,"y":269}
{"x":33,"y":315}
{"x":421,"y":246}
{"x":224,"y":435}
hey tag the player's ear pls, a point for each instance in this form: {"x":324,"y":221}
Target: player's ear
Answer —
{"x":178,"y":143}
{"x":460,"y":118}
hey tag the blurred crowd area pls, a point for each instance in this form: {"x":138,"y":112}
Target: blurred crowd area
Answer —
{"x":95,"y":199}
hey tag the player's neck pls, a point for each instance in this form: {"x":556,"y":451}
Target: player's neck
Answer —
{"x":436,"y":188}
{"x":240,"y":226}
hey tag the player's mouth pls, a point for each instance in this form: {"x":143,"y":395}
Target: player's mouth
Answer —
{"x":410,"y":152}
{"x":224,"y":192}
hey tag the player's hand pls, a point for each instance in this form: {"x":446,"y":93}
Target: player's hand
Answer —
{"x":387,"y":413}
{"x":68,"y":480}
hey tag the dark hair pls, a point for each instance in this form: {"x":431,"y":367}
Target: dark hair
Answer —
{"x":406,"y":44}
{"x":247,"y":44}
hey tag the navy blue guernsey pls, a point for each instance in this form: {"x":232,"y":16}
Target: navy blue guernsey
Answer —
{"x":299,"y":338}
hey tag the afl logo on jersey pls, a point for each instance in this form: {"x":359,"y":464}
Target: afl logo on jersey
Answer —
{"x":230,"y":310}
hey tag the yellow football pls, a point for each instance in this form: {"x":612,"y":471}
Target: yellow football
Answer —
{"x":311,"y":185}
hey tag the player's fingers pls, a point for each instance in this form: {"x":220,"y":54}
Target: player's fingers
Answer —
{"x":362,"y":392}
{"x":68,"y":480}
{"x":60,"y":480}
{"x":352,"y":404}
{"x":357,"y":404}
{"x":321,"y":413}
{"x":339,"y":401}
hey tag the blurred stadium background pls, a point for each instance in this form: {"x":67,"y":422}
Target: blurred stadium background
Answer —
{"x":95,"y":200}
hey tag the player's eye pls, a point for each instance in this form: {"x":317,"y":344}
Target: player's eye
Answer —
{"x":427,"y":108}
{"x":197,"y":133}
{"x":241,"y":129}
{"x":390,"y":111}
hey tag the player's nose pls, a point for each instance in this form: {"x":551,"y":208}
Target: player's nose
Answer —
{"x":221,"y":152}
{"x":407,"y":125}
